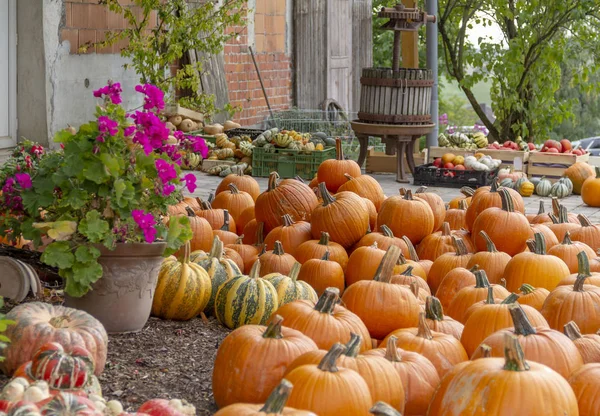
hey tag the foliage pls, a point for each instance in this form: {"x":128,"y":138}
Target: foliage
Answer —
{"x":457,"y":111}
{"x":163,"y":32}
{"x":4,"y":323}
{"x":112,"y":182}
{"x":524,"y":67}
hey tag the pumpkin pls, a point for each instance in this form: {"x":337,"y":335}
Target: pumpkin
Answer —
{"x":525,"y":188}
{"x":315,"y":249}
{"x":288,"y":197}
{"x":549,"y":236}
{"x":322,"y":273}
{"x":363,"y":263}
{"x":276,"y":261}
{"x":289,"y":288}
{"x":488,"y":198}
{"x":408,"y":216}
{"x":38,"y":323}
{"x":226,"y":236}
{"x":492,"y":261}
{"x":325,"y":322}
{"x":560,"y":190}
{"x":590,"y":190}
{"x":264,"y":353}
{"x":567,"y":251}
{"x":543,"y":187}
{"x":214,"y":216}
{"x":326,"y":389}
{"x":234,"y":201}
{"x":533,"y":296}
{"x":245,"y":299}
{"x":407,"y":278}
{"x":455,"y":280}
{"x":412,"y":254}
{"x":535,"y":267}
{"x":245,"y":217}
{"x":496,"y":221}
{"x":588,"y":233}
{"x":513,"y":378}
{"x":183,"y":289}
{"x":372,"y":213}
{"x":440,"y":242}
{"x":585,"y":383}
{"x":63,"y":403}
{"x":542,"y":216}
{"x":588,"y":345}
{"x":468,"y":296}
{"x":583,"y":268}
{"x":418,"y":374}
{"x":383,"y":239}
{"x":578,"y":173}
{"x":457,"y":217}
{"x":579,"y":303}
{"x":467,"y":195}
{"x":402,"y":265}
{"x":561,"y":223}
{"x":380,"y":304}
{"x":202,"y":232}
{"x":291,"y":234}
{"x":254,"y":234}
{"x":242,"y":182}
{"x":383,"y":409}
{"x":235,"y":257}
{"x":248,"y":253}
{"x":333,"y":171}
{"x":344,"y":217}
{"x":364,"y":186}
{"x":446,"y":262}
{"x":541,"y":344}
{"x":274,"y":405}
{"x":437,"y":321}
{"x":436,"y":203}
{"x":444,"y":351}
{"x":556,"y":210}
{"x":178,"y":209}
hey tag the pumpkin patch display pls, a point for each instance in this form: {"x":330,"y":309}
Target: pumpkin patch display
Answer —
{"x":224,"y":233}
{"x":491,"y":260}
{"x":467,"y":195}
{"x":485,"y":198}
{"x":586,"y":385}
{"x":333,"y":171}
{"x":364,"y":186}
{"x":248,"y":253}
{"x":276,"y":261}
{"x":588,"y":233}
{"x":316,"y":249}
{"x":440,"y":242}
{"x":446,"y":262}
{"x":567,"y":251}
{"x":384,"y":239}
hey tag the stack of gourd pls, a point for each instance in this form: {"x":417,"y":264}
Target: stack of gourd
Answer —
{"x":518,"y":181}
{"x":307,"y":143}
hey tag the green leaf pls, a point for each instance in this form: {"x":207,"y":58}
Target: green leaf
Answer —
{"x":74,"y":198}
{"x":95,"y":171}
{"x":86,"y":273}
{"x":62,"y":136}
{"x":111,"y":164}
{"x":93,"y":227}
{"x":58,"y":254}
{"x":179,"y":233}
{"x":124,"y":192}
{"x":86,"y":254}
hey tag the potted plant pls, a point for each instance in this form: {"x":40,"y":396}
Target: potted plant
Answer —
{"x":101,"y":203}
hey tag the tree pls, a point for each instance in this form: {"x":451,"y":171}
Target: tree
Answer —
{"x":524,"y":68}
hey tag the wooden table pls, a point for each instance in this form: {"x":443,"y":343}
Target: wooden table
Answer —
{"x":399,"y":139}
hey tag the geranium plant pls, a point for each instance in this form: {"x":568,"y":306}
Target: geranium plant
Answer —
{"x":112,"y":182}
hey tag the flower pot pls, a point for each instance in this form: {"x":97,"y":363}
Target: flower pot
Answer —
{"x":122,"y":298}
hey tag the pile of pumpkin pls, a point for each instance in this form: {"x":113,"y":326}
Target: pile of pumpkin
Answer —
{"x":411,"y":294}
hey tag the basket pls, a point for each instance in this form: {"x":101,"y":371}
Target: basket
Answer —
{"x":425,"y":176}
{"x":288,"y":163}
{"x":333,"y":123}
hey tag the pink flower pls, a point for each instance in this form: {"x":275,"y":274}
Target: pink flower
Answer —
{"x":24,"y":180}
{"x":154,"y":96}
{"x":129,"y":131}
{"x":112,"y":91}
{"x":146,"y":222}
{"x":166,"y":171}
{"x":168,"y":189}
{"x":190,"y":182}
{"x":106,"y":125}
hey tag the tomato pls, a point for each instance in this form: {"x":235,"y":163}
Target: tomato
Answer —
{"x":437,"y":162}
{"x":449,"y":165}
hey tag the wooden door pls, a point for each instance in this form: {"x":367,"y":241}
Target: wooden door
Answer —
{"x":339,"y":56}
{"x":8,"y":82}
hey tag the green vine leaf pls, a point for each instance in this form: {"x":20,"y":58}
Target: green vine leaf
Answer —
{"x":179,"y":233}
{"x":58,"y":254}
{"x":93,"y":227}
{"x":86,"y":254}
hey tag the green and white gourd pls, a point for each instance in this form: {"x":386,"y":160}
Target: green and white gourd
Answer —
{"x":507,"y":183}
{"x":559,"y":190}
{"x":544,"y":187}
{"x":567,"y":182}
{"x":289,"y":288}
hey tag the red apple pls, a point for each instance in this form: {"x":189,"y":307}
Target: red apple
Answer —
{"x":437,"y":162}
{"x":553,"y":144}
{"x":459,"y":167}
{"x":449,"y":165}
{"x":566,"y":145}
{"x":552,"y":150}
{"x":531,"y":146}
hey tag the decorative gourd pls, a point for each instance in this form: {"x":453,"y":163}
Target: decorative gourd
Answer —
{"x":535,"y":267}
{"x":418,"y":374}
{"x":588,"y":345}
{"x":542,"y":216}
{"x":470,"y":295}
{"x":214,"y":216}
{"x":436,"y":203}
{"x":467,"y":195}
{"x":544,"y":187}
{"x":201,"y":232}
{"x":344,"y":217}
{"x":567,"y":182}
{"x":383,"y":239}
{"x":234,"y":201}
{"x":485,"y":198}
{"x":226,"y":236}
{"x":380,"y":304}
{"x":567,"y":251}
{"x":446,"y":262}
{"x":326,"y":322}
{"x":38,"y":323}
{"x":444,"y":351}
{"x":457,"y":217}
{"x":585,"y":383}
{"x":440,"y":242}
{"x":547,"y":392}
{"x":578,"y":173}
{"x":333,"y":171}
{"x":365,"y":186}
{"x":559,"y":189}
{"x":288,"y":197}
{"x":276,"y":261}
{"x":246,"y":216}
{"x":264,"y":353}
{"x":242,"y":182}
{"x":326,"y":389}
{"x":507,"y":183}
{"x":455,"y":280}
{"x":579,"y":303}
{"x":590,"y":190}
{"x":183,"y":289}
{"x":561,"y":223}
{"x":238,"y":293}
{"x":408,"y":216}
{"x":588,"y":233}
{"x":248,"y":253}
{"x":533,"y":296}
{"x":289,"y":288}
{"x":315,"y":249}
{"x":492,"y":261}
{"x":494,"y":221}
{"x":218,"y":269}
{"x":322,"y":273}
{"x":525,"y":188}
{"x":291,"y":234}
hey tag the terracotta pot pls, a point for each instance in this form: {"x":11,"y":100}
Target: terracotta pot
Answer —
{"x":122,"y":298}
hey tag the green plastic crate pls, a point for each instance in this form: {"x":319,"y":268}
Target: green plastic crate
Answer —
{"x":288,"y":163}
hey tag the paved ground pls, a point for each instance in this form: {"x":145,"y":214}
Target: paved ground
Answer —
{"x":207,"y":184}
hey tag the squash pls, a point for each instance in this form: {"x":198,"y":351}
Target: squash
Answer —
{"x":289,"y":288}
{"x":230,"y":125}
{"x":214,"y":216}
{"x":316,"y":249}
{"x":440,"y":242}
{"x":322,"y":273}
{"x":247,"y":252}
{"x":291,"y":234}
{"x":544,"y":187}
{"x":526,"y":188}
{"x":243,"y":183}
{"x":409,"y":216}
{"x":276,"y":261}
{"x":586,"y":385}
{"x":228,"y":237}
{"x":485,"y":198}
{"x":467,"y":195}
{"x":212,"y":129}
{"x":590,"y":190}
{"x":560,"y":190}
{"x":588,"y":233}
{"x":588,"y":345}
{"x":457,"y":217}
{"x":333,"y":171}
{"x":492,"y":261}
{"x":364,"y":186}
{"x":578,"y":173}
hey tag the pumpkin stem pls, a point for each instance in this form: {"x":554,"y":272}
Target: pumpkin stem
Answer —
{"x":348,"y":176}
{"x":513,"y":354}
{"x":324,"y":241}
{"x":240,"y":240}
{"x":563,"y":214}
{"x":260,"y":234}
{"x":273,"y":177}
{"x":459,"y":246}
{"x":412,"y":253}
{"x":434,"y":309}
{"x":339,"y":150}
{"x":554,"y":219}
{"x":421,"y":190}
{"x":295,"y":271}
{"x":391,"y":350}
{"x":225,"y":226}
{"x":233,"y":189}
{"x":567,"y":239}
{"x":386,"y":267}
{"x":462,"y":204}
{"x":276,"y":401}
{"x":300,"y":179}
{"x":542,"y":209}
{"x":401,"y":260}
{"x":572,"y":331}
{"x":446,"y":229}
{"x":211,"y":198}
{"x":489,"y":300}
{"x":287,"y":220}
{"x":414,"y":288}
{"x":583,"y":264}
{"x":263,"y":250}
{"x":520,"y":320}
{"x":526,"y":288}
{"x":278,"y":249}
{"x":408,"y":195}
{"x":329,"y":360}
{"x":510,"y":299}
{"x":216,"y":250}
{"x":353,"y":346}
{"x":481,"y":279}
{"x":507,"y":201}
{"x":190,"y":212}
{"x":274,"y":328}
{"x":205,"y":205}
{"x":540,"y":243}
{"x":503,"y":282}
{"x":474,"y":268}
{"x":408,"y":271}
{"x":494,"y":186}
{"x":327,"y":197}
{"x":326,"y":255}
{"x":255,"y":271}
{"x":383,"y":409}
{"x":186,"y":252}
{"x":491,"y":247}
{"x":424,"y":331}
{"x":584,"y":220}
{"x":386,"y":231}
{"x":486,"y":350}
{"x":328,"y":300}
{"x":467,"y":191}
{"x":530,"y":245}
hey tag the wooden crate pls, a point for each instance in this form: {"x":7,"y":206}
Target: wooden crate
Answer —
{"x":552,"y":165}
{"x":379,"y":162}
{"x":506,"y":156}
{"x":177,"y":110}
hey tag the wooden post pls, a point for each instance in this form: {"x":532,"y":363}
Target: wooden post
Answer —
{"x":410,"y":52}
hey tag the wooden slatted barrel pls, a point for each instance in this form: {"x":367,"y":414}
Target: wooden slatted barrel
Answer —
{"x":396,"y":97}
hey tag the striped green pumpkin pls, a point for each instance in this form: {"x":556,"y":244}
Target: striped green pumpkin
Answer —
{"x":183,"y":289}
{"x":559,"y":190}
{"x":543,"y":187}
{"x":219,"y":268}
{"x":289,"y":288}
{"x":244,"y":300}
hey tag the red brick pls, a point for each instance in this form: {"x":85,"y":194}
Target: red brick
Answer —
{"x":80,"y":15}
{"x":87,"y":36}
{"x":100,"y":36}
{"x":97,"y":17}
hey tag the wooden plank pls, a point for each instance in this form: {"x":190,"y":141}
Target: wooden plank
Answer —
{"x":567,"y":159}
{"x":409,"y":42}
{"x":379,"y":162}
{"x":362,"y":44}
{"x":545,"y":171}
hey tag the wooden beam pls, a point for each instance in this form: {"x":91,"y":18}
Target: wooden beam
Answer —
{"x":410,"y":51}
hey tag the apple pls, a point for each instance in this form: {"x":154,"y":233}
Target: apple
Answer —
{"x":449,"y":165}
{"x":531,"y":146}
{"x":552,"y":144}
{"x":552,"y":150}
{"x":566,"y":145}
{"x":437,"y":162}
{"x":459,"y":167}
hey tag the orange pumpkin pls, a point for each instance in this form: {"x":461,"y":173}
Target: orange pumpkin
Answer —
{"x":533,"y":296}
{"x":567,"y":251}
{"x":202,"y":233}
{"x":315,"y":249}
{"x":590,"y":190}
{"x":586,"y":385}
{"x":333,"y":171}
{"x":485,"y":198}
{"x":446,"y":262}
{"x":440,"y":242}
{"x":466,"y":197}
{"x":402,"y":265}
{"x":437,"y":321}
{"x":363,"y":263}
{"x":457,"y":217}
{"x":276,"y":261}
{"x":214,"y":216}
{"x":246,"y":216}
{"x":561,"y":223}
{"x":234,"y":201}
{"x":226,"y":236}
{"x":242,"y":182}
{"x":322,"y":273}
{"x":248,"y":253}
{"x":549,"y":236}
{"x":436,"y":203}
{"x":492,"y":261}
{"x":455,"y":280}
{"x":578,"y":173}
{"x":588,"y":233}
{"x":372,"y":213}
{"x":384,"y":240}
{"x":365,"y":186}
{"x":407,"y":278}
{"x":291,"y":234}
{"x":588,"y":344}
{"x":541,"y":217}
{"x":407,"y":216}
{"x":412,"y":255}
